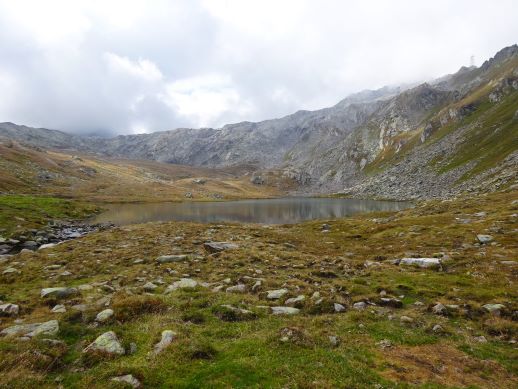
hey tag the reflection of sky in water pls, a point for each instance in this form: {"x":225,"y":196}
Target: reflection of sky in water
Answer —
{"x":271,"y":211}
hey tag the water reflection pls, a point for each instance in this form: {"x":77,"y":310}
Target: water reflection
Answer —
{"x":270,"y":211}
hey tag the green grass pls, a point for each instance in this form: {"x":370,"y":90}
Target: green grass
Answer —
{"x":28,"y":211}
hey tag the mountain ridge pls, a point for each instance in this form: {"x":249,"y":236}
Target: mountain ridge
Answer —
{"x":343,"y":146}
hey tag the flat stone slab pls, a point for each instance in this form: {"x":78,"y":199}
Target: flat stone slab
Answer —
{"x":59,"y":292}
{"x":29,"y":330}
{"x":285,"y":310}
{"x":172,"y":258}
{"x":421,"y":262}
{"x":184,"y":283}
{"x":216,"y":247}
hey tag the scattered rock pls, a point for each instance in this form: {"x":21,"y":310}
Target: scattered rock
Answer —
{"x":104,"y":316}
{"x":29,"y":330}
{"x":239,"y":288}
{"x":59,"y":292}
{"x":59,"y":308}
{"x":108,"y":343}
{"x":128,"y":379}
{"x":480,"y":339}
{"x":439,"y":309}
{"x":285,"y":310}
{"x":484,"y":238}
{"x":184,"y":283}
{"x":406,"y":319}
{"x":276,"y":294}
{"x":216,"y":247}
{"x":334,"y":340}
{"x":167,"y":338}
{"x":295,"y":300}
{"x":9,"y":310}
{"x":421,"y":262}
{"x":494,"y":309}
{"x":171,"y":258}
{"x":360,"y":305}
{"x":149,"y":287}
{"x":339,"y":308}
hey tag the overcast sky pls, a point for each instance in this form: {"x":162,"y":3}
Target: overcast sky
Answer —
{"x":141,"y":66}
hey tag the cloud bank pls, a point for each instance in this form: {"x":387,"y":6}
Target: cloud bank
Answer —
{"x":121,"y":67}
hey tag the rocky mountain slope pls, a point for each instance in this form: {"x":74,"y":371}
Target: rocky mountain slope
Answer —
{"x":421,"y":141}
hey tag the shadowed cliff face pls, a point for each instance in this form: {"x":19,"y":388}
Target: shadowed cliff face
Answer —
{"x":335,"y":147}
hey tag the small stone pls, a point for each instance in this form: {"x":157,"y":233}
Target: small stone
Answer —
{"x":128,"y":379}
{"x":484,"y":238}
{"x":184,"y":283}
{"x":360,"y":305}
{"x":167,"y":338}
{"x":46,"y":246}
{"x":339,"y":308}
{"x":59,"y":308}
{"x":421,"y":262}
{"x":149,"y":287}
{"x":285,"y":310}
{"x":295,"y":300}
{"x":383,"y":344}
{"x":406,"y":319}
{"x":480,"y":339}
{"x":10,"y":270}
{"x":108,"y":343}
{"x":437,"y":329}
{"x":171,"y":258}
{"x":216,"y":247}
{"x":276,"y":294}
{"x":9,"y":309}
{"x":104,"y":316}
{"x":494,"y":309}
{"x":334,"y":340}
{"x":239,"y":288}
{"x":439,"y":309}
{"x":256,"y":286}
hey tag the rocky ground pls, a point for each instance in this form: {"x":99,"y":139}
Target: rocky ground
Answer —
{"x":425,"y":297}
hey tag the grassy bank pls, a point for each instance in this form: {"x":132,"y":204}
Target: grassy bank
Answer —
{"x":20,"y":212}
{"x":389,"y":345}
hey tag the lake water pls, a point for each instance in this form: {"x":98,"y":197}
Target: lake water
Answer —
{"x":265,"y":211}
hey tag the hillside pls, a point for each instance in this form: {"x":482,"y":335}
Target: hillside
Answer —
{"x":432,"y":131}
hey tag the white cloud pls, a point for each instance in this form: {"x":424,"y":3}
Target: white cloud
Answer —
{"x":205,"y":99}
{"x":134,"y":65}
{"x":141,"y":68}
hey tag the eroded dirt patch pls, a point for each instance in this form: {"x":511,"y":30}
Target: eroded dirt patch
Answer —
{"x":444,"y":365}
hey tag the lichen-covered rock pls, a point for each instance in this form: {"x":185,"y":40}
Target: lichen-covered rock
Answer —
{"x":107,"y":343}
{"x":29,"y":330}
{"x":285,"y":311}
{"x":276,"y":294}
{"x":58,"y":292}
{"x":165,"y":341}
{"x":128,"y":379}
{"x":104,"y":316}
